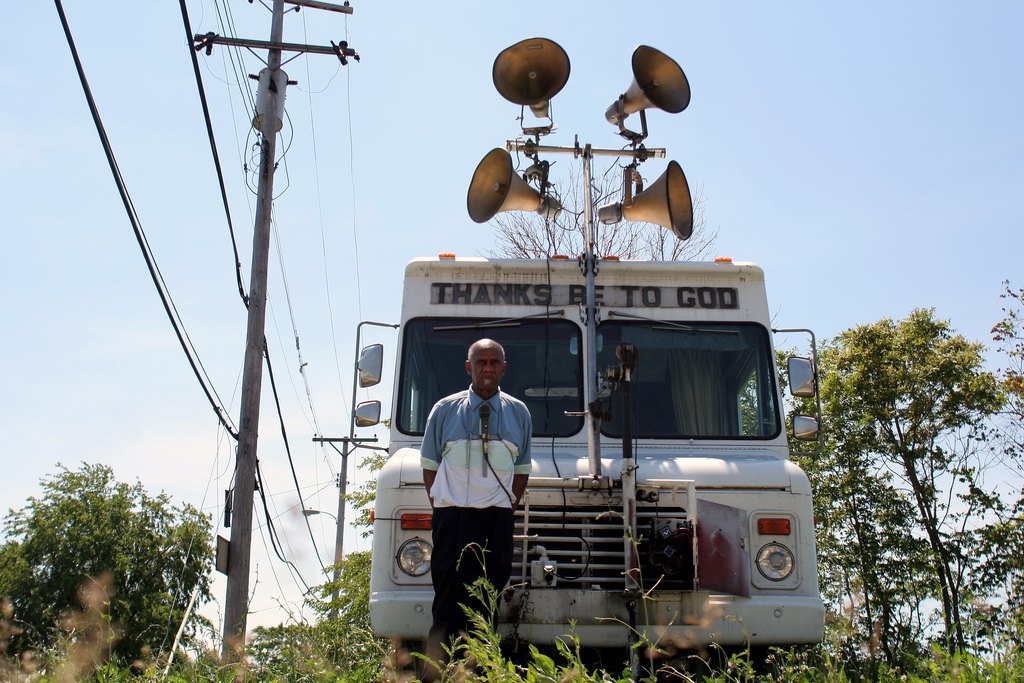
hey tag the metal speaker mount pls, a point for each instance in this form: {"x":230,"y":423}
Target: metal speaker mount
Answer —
{"x":666,"y":203}
{"x":530,"y":73}
{"x":657,"y":82}
{"x":496,"y":188}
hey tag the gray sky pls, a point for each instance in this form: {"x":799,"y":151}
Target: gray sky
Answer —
{"x":867,"y":156}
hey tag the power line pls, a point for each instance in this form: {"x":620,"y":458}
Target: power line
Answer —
{"x":213,"y":150}
{"x":288,"y":450}
{"x":295,"y":329}
{"x":323,"y":231}
{"x":273,"y":572}
{"x":352,"y":177}
{"x":220,"y":176}
{"x":140,"y":236}
{"x":275,"y":540}
{"x":227,"y":27}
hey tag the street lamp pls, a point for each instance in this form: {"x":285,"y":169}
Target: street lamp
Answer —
{"x":309,"y":513}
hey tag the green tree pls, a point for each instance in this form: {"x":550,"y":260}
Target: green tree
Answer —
{"x":96,"y":559}
{"x":908,"y":401}
{"x":340,"y":646}
{"x":1008,"y":334}
{"x":1003,"y":540}
{"x":870,"y":564}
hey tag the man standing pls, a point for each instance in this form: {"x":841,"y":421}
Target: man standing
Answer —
{"x":476,"y":464}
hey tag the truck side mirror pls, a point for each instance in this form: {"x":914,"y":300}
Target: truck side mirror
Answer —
{"x":371,"y":361}
{"x":805,"y":428}
{"x":801,"y":378}
{"x":367,"y":414}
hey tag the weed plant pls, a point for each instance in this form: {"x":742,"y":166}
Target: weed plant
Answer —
{"x":324,"y":653}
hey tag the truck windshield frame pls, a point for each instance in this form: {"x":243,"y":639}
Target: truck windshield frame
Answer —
{"x":695,"y":380}
{"x":545,"y":369}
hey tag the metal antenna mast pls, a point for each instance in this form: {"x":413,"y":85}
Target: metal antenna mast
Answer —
{"x":529,"y":74}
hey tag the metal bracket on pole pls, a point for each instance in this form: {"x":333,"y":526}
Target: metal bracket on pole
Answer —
{"x":208,"y":40}
{"x":317,"y":4}
{"x":344,"y":51}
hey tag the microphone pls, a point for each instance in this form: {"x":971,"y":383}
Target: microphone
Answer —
{"x":485,"y":417}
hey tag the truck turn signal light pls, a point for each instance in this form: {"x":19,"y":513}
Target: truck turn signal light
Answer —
{"x":412,"y":520}
{"x":773,"y":526}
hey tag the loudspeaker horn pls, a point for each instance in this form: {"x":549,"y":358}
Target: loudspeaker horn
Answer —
{"x":666,"y":203}
{"x":657,"y":82}
{"x":496,"y":188}
{"x":531,"y":72}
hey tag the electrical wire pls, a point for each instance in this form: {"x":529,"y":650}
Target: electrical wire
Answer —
{"x":160,"y":283}
{"x":140,"y":236}
{"x":295,"y":328}
{"x":227,"y":20}
{"x":352,"y":178}
{"x":275,"y":540}
{"x":323,"y":230}
{"x":213,"y":150}
{"x":227,"y":27}
{"x":283,"y":156}
{"x":179,"y":584}
{"x":245,"y":91}
{"x":302,"y":367}
{"x":273,"y":320}
{"x":273,"y":573}
{"x":229,"y":23}
{"x":288,"y":450}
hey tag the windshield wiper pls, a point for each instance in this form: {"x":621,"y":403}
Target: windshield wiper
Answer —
{"x":670,"y":324}
{"x":502,"y":322}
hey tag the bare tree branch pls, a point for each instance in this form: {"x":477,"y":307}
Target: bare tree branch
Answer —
{"x":525,"y":235}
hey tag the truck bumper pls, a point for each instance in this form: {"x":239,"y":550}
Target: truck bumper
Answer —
{"x":602,"y":619}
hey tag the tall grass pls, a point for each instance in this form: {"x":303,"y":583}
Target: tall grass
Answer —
{"x":323,"y":653}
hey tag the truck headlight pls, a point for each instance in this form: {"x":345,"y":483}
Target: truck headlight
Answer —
{"x":414,"y":557}
{"x":775,"y":562}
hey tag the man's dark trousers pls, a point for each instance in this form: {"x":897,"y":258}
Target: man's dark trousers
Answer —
{"x":459,"y":534}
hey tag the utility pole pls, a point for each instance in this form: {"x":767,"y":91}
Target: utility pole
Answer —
{"x":237,"y":600}
{"x":349,"y":443}
{"x":269,"y":111}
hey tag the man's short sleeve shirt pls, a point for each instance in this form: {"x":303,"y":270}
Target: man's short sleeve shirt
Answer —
{"x":453,"y":446}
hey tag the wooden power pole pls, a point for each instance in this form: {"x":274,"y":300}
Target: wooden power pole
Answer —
{"x":269,"y":112}
{"x":271,"y":97}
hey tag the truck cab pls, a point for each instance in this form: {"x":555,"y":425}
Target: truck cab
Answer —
{"x":680,"y":521}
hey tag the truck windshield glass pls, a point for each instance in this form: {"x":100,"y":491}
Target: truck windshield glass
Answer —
{"x":696,"y":380}
{"x":545,"y":369}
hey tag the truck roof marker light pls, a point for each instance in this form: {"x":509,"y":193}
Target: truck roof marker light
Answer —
{"x":446,"y":255}
{"x":609,"y":258}
{"x":413,"y":520}
{"x":774,"y":526}
{"x":723,"y":259}
{"x":559,"y":257}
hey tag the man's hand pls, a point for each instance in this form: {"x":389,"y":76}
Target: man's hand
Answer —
{"x":428,"y":483}
{"x":519,"y":482}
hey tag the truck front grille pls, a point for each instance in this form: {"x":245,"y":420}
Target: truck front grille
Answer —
{"x":587,"y":545}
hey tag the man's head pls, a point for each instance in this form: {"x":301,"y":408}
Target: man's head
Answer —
{"x":486,"y":366}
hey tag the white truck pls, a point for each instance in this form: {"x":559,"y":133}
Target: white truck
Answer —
{"x":675,"y":516}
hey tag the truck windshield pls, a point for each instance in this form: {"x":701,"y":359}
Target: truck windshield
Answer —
{"x":545,"y":368}
{"x":694,"y":380}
